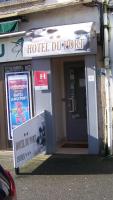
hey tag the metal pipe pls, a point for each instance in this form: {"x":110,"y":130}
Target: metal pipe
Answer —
{"x":108,"y":136}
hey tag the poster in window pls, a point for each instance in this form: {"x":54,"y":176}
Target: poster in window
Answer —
{"x":18,"y":99}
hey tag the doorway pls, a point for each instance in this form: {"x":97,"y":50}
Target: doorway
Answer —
{"x":75,"y":103}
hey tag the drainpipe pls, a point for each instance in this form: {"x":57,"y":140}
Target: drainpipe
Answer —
{"x":108,"y":132}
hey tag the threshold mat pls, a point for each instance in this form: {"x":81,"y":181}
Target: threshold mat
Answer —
{"x":74,"y":145}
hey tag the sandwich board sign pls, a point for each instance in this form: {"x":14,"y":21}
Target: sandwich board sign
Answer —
{"x":29,"y":140}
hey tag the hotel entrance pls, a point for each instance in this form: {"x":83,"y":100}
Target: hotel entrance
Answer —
{"x":70,"y":100}
{"x":76,"y":111}
{"x":70,"y":109}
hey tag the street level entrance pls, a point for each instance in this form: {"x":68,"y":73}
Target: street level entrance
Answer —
{"x":76,"y":111}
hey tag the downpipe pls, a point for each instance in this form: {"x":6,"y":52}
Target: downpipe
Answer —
{"x":108,"y":110}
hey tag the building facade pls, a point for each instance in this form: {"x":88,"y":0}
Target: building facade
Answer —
{"x":63,"y":40}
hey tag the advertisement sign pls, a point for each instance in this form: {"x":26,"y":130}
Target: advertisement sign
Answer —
{"x":67,"y":39}
{"x":18,"y":99}
{"x":11,"y":49}
{"x":40,"y":80}
{"x":29,"y":140}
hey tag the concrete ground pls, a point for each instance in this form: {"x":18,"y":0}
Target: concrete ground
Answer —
{"x":63,"y":177}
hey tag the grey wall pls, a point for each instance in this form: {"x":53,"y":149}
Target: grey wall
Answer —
{"x":42,"y":97}
{"x":43,"y":101}
{"x":58,"y":94}
{"x":92,"y":118}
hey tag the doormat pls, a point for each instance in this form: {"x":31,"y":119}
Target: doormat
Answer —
{"x":74,"y":145}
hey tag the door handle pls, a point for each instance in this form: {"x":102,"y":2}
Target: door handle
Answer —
{"x":71,"y":104}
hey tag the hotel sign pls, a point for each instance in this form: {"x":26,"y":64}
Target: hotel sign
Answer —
{"x":67,"y":39}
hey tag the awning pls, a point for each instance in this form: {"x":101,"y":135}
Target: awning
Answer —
{"x":59,"y":40}
{"x":8,"y":26}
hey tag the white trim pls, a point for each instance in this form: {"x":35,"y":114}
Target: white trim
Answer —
{"x":12,"y":34}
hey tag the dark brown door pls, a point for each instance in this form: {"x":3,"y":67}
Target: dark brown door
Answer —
{"x":75,"y":101}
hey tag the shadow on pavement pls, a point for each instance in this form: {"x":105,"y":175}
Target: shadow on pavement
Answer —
{"x":74,"y":165}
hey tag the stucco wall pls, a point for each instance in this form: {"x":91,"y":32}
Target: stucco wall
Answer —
{"x":12,"y":8}
{"x":61,"y":16}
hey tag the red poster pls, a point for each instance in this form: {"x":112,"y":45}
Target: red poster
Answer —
{"x":41,"y":80}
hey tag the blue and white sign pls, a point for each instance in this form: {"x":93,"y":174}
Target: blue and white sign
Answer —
{"x":18,"y":99}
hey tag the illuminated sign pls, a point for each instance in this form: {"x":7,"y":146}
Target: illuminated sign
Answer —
{"x":18,"y":99}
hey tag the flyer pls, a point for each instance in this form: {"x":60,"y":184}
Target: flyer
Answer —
{"x":18,"y":99}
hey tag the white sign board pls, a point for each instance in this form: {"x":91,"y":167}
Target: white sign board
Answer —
{"x":67,"y":39}
{"x":29,"y":140}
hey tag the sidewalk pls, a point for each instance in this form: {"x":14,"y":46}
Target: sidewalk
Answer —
{"x":63,"y":177}
{"x":6,"y":159}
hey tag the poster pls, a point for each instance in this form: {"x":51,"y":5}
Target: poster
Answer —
{"x":18,"y":99}
{"x":41,"y":80}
